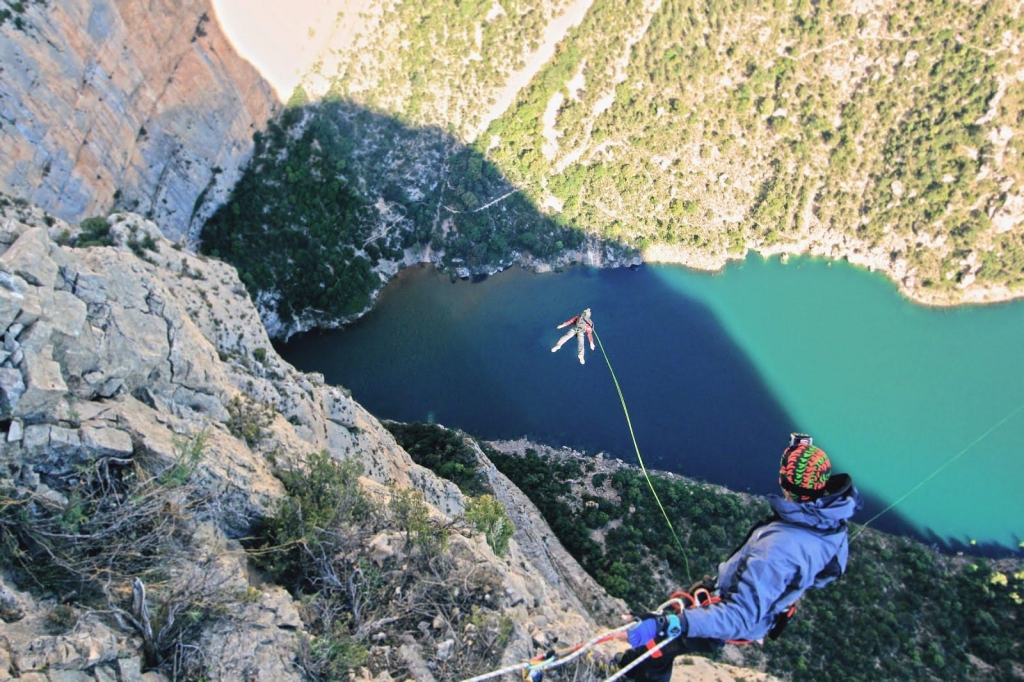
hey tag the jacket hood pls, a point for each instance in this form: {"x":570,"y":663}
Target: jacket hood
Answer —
{"x":839,"y":504}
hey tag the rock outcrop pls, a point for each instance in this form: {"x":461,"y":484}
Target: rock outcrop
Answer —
{"x":114,"y":354}
{"x":120,"y":104}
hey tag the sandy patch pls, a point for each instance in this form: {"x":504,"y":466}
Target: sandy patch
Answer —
{"x":576,"y":84}
{"x":550,"y":118}
{"x":608,"y":99}
{"x":283,"y":40}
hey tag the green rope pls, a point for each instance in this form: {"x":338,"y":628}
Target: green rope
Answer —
{"x":937,"y":471}
{"x":640,"y":459}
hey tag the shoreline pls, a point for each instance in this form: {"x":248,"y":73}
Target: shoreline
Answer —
{"x":972,"y":295}
{"x":607,"y":464}
{"x":601,"y":255}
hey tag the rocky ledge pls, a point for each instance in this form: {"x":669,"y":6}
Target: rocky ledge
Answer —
{"x":113,"y":357}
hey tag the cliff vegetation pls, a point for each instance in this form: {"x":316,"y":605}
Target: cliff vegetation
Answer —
{"x":176,"y":502}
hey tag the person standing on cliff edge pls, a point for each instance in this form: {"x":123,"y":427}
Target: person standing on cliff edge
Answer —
{"x":582,"y":325}
{"x":803,"y":545}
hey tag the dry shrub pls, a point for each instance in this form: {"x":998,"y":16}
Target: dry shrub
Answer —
{"x":123,"y":526}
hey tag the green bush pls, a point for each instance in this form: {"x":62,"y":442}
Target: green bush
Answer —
{"x":331,"y":655}
{"x":123,"y":525}
{"x":95,"y":232}
{"x":321,"y":498}
{"x":412,"y":516}
{"x":121,"y":520}
{"x":248,"y":419}
{"x":488,"y":516}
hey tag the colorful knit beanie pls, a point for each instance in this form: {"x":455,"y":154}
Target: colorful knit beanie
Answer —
{"x":804,"y":469}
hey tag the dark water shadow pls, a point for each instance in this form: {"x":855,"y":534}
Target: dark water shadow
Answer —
{"x":474,"y":353}
{"x":476,"y":356}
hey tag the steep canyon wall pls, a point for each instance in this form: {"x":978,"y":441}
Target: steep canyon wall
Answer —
{"x":125,"y":104}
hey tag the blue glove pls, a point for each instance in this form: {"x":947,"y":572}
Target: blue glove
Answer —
{"x":643,"y":633}
{"x":657,"y":627}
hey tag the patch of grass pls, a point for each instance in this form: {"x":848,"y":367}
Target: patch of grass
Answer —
{"x":248,"y":419}
{"x":487,"y":515}
{"x":123,"y":525}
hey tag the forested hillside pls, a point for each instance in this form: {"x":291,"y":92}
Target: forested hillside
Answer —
{"x":888,"y":130}
{"x":336,"y":194}
{"x":887,"y":133}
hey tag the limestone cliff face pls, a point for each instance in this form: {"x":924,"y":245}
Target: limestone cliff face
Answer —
{"x":112,"y":357}
{"x":122,"y":103}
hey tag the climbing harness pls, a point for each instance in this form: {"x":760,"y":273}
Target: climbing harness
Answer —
{"x":935,"y":473}
{"x":629,"y":423}
{"x":702,"y":597}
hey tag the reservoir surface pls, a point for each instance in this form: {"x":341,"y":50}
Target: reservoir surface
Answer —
{"x":716,"y":370}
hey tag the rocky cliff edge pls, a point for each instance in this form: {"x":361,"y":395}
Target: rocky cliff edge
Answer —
{"x":109,"y":360}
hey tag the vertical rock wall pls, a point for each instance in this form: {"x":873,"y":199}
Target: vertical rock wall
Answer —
{"x":124,"y":103}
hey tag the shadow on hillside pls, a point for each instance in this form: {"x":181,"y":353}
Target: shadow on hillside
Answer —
{"x":333,"y":189}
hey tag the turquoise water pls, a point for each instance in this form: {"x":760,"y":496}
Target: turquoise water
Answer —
{"x":897,"y":389}
{"x":716,"y":370}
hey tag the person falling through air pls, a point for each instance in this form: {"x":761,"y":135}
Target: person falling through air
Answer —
{"x":582,"y":324}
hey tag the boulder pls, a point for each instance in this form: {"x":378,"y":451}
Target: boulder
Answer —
{"x":15,"y":432}
{"x":44,"y":386}
{"x":105,"y":441}
{"x":12,"y":387}
{"x":29,"y":258}
{"x":260,"y":642}
{"x":91,"y":643}
{"x":68,"y":315}
{"x":409,"y":652}
{"x":10,"y":306}
{"x":443,"y":650}
{"x":36,"y":438}
{"x":11,"y":608}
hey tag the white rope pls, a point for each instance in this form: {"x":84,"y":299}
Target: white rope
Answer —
{"x":586,"y":646}
{"x":554,"y":663}
{"x":503,"y":671}
{"x":648,"y":654}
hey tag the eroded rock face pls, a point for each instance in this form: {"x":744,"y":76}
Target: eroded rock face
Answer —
{"x":120,"y":103}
